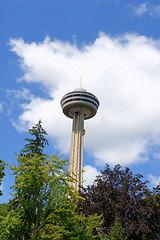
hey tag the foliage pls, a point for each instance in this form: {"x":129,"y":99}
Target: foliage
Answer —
{"x":153,"y":201}
{"x":119,"y":194}
{"x":35,"y":145}
{"x":2,"y":174}
{"x":116,"y":232}
{"x":41,"y":208}
{"x":4,"y":208}
{"x":11,"y":226}
{"x":44,"y":205}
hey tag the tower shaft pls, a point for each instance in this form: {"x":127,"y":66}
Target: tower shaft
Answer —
{"x":79,"y":105}
{"x":76,"y":154}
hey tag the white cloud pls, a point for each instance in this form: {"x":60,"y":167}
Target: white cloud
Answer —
{"x":123,"y":72}
{"x":140,"y":10}
{"x":154,"y":180}
{"x":89,"y":175}
{"x":144,"y":8}
{"x":1,"y":187}
{"x":1,"y":108}
{"x":155,"y":11}
{"x":17,"y":100}
{"x":156,"y":155}
{"x":19,"y":94}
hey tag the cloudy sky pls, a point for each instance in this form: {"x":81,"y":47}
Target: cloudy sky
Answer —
{"x":47,"y":46}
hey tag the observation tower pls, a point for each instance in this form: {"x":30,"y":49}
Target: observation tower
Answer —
{"x":79,"y":105}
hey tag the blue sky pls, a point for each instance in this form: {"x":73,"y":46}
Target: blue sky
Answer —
{"x":46,"y":46}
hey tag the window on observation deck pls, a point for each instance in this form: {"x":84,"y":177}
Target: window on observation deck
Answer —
{"x":81,"y":100}
{"x":82,"y":95}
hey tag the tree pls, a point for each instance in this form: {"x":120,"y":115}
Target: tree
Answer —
{"x":2,"y":174}
{"x":4,"y":207}
{"x":116,"y":232}
{"x":119,"y":194}
{"x":40,"y":187}
{"x":35,"y":145}
{"x":153,"y":201}
{"x":44,"y":205}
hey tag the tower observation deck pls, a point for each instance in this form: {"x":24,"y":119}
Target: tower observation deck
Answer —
{"x":78,"y":105}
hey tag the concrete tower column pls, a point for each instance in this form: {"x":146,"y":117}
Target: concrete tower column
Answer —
{"x":79,"y":105}
{"x":76,"y":154}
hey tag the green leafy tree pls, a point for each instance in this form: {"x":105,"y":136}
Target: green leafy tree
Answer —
{"x":44,"y":205}
{"x":4,"y":208}
{"x":116,"y":232}
{"x":2,"y":174}
{"x":40,"y":187}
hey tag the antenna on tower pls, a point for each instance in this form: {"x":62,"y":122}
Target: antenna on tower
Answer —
{"x":80,"y":82}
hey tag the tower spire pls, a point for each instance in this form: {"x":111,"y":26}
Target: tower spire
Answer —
{"x":80,"y":82}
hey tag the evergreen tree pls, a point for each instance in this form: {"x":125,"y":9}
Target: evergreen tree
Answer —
{"x":37,"y":144}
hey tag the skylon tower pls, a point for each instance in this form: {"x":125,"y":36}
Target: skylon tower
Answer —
{"x":78,"y":105}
